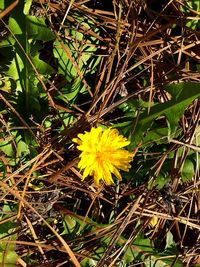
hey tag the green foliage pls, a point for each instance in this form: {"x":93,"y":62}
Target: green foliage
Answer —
{"x":5,"y":84}
{"x":182,"y":96}
{"x":146,"y":128}
{"x":36,"y":29}
{"x":142,"y":251}
{"x":192,"y":23}
{"x":188,"y":170}
{"x":23,"y":46}
{"x":15,"y":148}
{"x":8,"y":256}
{"x":71,"y":226}
{"x":21,"y":67}
{"x":81,"y":50}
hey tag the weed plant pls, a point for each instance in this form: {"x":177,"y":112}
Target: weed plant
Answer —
{"x":68,"y":66}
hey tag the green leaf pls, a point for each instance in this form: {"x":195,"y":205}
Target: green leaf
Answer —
{"x":81,"y":49}
{"x":70,"y":225}
{"x":27,"y":6}
{"x":87,"y":262}
{"x":14,"y":26}
{"x":158,"y":136}
{"x":8,"y":256}
{"x":5,"y":84}
{"x":41,"y":66}
{"x":151,"y":257}
{"x":65,"y":67}
{"x":26,"y":88}
{"x":22,"y":149}
{"x":194,"y":5}
{"x":188,"y":170}
{"x":30,"y":27}
{"x":14,"y":69}
{"x":2,"y":5}
{"x":182,"y":96}
{"x":6,"y":148}
{"x":169,"y":240}
{"x":37,"y":29}
{"x":160,"y":181}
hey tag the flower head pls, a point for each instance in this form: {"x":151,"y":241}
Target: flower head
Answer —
{"x":103,"y":154}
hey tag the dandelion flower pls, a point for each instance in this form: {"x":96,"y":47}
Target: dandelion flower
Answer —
{"x":102,"y":154}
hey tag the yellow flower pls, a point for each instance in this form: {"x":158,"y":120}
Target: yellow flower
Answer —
{"x":103,"y":154}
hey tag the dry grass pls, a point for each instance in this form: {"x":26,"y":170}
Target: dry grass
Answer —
{"x":142,"y":46}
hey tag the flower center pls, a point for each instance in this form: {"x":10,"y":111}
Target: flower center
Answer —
{"x":99,"y":157}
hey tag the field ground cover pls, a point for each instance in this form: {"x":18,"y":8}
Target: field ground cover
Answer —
{"x":81,"y":78}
